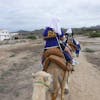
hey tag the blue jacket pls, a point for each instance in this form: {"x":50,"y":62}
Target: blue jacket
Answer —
{"x":51,"y":42}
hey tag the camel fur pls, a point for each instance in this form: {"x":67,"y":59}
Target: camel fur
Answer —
{"x":57,"y":69}
{"x":41,"y":83}
{"x":59,"y":80}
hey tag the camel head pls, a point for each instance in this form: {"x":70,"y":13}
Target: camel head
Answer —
{"x":42,"y":78}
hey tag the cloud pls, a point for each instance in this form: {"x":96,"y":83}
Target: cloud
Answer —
{"x":34,"y":14}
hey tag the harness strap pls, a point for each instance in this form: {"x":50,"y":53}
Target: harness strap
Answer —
{"x":40,"y":82}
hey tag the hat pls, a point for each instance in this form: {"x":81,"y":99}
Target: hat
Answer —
{"x":55,"y":25}
{"x":69,"y":31}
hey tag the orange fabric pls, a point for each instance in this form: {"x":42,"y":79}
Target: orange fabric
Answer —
{"x":61,"y":62}
{"x":53,"y":51}
{"x":73,"y":47}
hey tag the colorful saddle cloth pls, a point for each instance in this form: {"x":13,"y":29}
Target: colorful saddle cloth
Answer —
{"x":56,"y":56}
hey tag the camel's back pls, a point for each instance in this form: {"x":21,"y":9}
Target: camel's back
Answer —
{"x":55,"y":71}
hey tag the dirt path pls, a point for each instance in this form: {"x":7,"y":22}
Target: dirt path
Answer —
{"x":17,"y":62}
{"x":85,"y":81}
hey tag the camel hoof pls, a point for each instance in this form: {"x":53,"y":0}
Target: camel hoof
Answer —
{"x":66,"y":91}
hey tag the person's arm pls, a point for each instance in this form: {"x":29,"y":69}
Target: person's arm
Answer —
{"x":69,"y":47}
{"x":67,"y":50}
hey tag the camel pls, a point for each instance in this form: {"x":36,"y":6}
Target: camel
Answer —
{"x":55,"y":65}
{"x":41,"y":83}
{"x":59,"y":79}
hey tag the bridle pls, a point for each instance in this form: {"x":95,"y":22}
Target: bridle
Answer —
{"x":43,"y":83}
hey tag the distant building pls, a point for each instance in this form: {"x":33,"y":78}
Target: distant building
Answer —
{"x":4,"y":34}
{"x":14,"y":35}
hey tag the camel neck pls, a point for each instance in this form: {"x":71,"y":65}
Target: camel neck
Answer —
{"x":39,"y":92}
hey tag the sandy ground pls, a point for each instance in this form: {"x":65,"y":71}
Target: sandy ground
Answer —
{"x":18,"y":61}
{"x":85,"y":81}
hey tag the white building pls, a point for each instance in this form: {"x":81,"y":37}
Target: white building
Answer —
{"x":4,"y":35}
{"x":13,"y":34}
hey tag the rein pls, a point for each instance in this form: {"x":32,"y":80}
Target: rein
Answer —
{"x":40,"y":82}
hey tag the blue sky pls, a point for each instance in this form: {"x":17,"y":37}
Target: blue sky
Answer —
{"x":35,"y":14}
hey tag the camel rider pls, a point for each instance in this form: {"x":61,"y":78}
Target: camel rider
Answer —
{"x":78,"y":47}
{"x":54,"y":32}
{"x":69,"y":34}
{"x":67,"y":51}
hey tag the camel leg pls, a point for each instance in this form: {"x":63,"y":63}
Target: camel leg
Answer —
{"x":54,"y":96}
{"x":62,"y":93}
{"x":56,"y":89}
{"x":62,"y":89}
{"x":66,"y":88}
{"x":63,"y":85}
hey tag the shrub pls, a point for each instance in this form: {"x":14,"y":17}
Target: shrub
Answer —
{"x":2,"y":88}
{"x":88,"y":50}
{"x":94,"y":34}
{"x":13,"y":55}
{"x":31,"y":37}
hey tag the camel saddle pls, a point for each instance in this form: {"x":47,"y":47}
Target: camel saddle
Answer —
{"x":56,"y":56}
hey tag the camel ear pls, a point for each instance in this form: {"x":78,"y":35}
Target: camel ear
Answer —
{"x":33,"y":75}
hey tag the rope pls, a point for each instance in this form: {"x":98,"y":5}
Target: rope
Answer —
{"x":40,"y":82}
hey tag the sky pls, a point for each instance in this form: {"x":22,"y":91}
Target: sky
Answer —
{"x":35,"y":14}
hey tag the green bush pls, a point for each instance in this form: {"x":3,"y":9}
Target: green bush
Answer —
{"x":88,"y":50}
{"x":2,"y":88}
{"x":86,"y":34}
{"x":94,"y":34}
{"x":31,"y":37}
{"x":13,"y":55}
